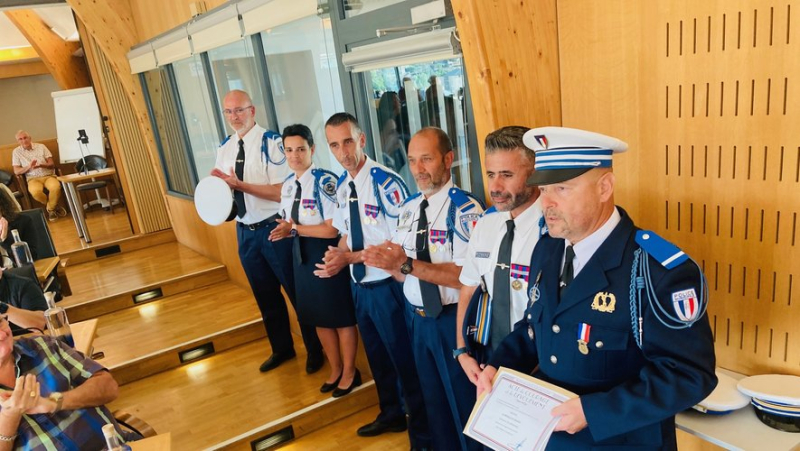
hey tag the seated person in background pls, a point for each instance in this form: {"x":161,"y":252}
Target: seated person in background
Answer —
{"x":36,"y":162}
{"x":10,"y":219}
{"x":23,"y":301}
{"x":57,"y":402}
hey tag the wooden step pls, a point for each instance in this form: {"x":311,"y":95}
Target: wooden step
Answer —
{"x":107,"y":249}
{"x":103,"y":226}
{"x":341,"y":436}
{"x":222,"y":314}
{"x":104,"y":286}
{"x":207,"y":403}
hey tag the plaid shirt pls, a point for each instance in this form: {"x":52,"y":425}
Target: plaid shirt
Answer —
{"x":59,"y":368}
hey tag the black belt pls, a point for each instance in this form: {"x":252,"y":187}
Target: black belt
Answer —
{"x":421,"y":311}
{"x":262,"y":224}
{"x":375,"y":283}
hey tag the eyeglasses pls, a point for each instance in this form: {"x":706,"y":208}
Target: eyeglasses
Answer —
{"x":236,"y":111}
{"x":410,"y":240}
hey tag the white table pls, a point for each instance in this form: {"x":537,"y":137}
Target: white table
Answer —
{"x":74,"y":199}
{"x":739,"y":430}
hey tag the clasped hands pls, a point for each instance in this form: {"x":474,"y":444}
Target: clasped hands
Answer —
{"x":387,"y":256}
{"x":26,"y":398}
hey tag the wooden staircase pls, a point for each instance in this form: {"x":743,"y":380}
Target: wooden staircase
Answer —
{"x":157,"y":299}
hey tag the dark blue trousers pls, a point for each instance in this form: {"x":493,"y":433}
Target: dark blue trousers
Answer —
{"x":268,"y":265}
{"x":448,"y":393}
{"x":380,"y":313}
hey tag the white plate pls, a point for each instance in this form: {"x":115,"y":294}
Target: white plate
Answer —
{"x":213,"y":200}
{"x":725,"y":396}
{"x":773,"y":388}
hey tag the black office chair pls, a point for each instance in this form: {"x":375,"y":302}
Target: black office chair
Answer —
{"x":6,"y":178}
{"x":42,"y":240}
{"x":93,"y":163}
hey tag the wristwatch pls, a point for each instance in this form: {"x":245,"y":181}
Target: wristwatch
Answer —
{"x":459,"y":351}
{"x":3,"y":308}
{"x":407,"y":267}
{"x":58,"y":398}
{"x":293,"y":233}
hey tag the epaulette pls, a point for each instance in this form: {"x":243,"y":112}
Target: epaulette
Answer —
{"x":227,"y":138}
{"x":288,"y":177}
{"x":490,"y":210}
{"x":660,"y":249}
{"x":410,"y":198}
{"x":326,"y":183}
{"x":542,"y":227}
{"x":464,"y":212}
{"x":388,"y":186}
{"x":268,"y":136}
{"x":341,"y":179}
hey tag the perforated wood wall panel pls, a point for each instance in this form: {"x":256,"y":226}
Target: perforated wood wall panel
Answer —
{"x":144,"y":190}
{"x":707,"y":95}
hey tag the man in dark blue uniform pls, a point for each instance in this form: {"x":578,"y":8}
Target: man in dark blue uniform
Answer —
{"x":635,"y":351}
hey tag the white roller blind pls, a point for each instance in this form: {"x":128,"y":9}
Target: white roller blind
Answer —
{"x":142,"y":59}
{"x":173,"y":47}
{"x":217,"y":28}
{"x":260,"y":15}
{"x":424,"y":47}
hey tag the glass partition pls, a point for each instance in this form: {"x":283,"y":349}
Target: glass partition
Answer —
{"x":304,"y":79}
{"x":198,"y":113}
{"x":168,"y":130}
{"x":234,"y":66}
{"x":406,"y":98}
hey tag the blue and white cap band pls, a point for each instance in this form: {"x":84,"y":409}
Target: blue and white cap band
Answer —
{"x":565,"y":153}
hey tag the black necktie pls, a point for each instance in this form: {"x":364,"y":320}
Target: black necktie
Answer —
{"x":356,"y":235}
{"x":567,"y":273}
{"x":298,"y":192}
{"x":431,"y":299}
{"x":238,"y":196}
{"x":501,"y":292}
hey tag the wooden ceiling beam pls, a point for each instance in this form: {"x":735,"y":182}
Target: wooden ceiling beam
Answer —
{"x":70,"y":72}
{"x":23,"y":69}
{"x":7,"y":4}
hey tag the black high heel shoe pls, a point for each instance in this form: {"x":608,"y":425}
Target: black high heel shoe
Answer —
{"x":339,"y":392}
{"x":326,"y":387}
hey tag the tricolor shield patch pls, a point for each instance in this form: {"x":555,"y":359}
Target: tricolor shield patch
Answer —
{"x":686,"y":304}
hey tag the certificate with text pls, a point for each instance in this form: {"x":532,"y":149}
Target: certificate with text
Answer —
{"x":515,"y":415}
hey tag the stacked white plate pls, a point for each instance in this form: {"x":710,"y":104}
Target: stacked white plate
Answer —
{"x":776,"y":399}
{"x":724,"y":399}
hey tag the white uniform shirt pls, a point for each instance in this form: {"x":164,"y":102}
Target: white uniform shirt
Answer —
{"x":484,"y":244}
{"x":257,"y":170}
{"x":309,"y":213}
{"x":38,"y":152}
{"x":441,"y":250}
{"x":373,"y":234}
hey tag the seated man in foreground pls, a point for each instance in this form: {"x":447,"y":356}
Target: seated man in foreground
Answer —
{"x":644,"y":348}
{"x":52,"y":396}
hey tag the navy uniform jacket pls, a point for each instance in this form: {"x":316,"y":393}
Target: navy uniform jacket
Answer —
{"x":629,"y":395}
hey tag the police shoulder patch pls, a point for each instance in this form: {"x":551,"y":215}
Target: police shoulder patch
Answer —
{"x":326,"y":182}
{"x":686,"y":304}
{"x":666,"y":253}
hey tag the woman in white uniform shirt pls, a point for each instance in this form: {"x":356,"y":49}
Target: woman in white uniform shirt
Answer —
{"x":307,"y":219}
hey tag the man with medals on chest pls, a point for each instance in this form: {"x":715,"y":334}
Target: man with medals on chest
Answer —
{"x":495,"y":275}
{"x":369,"y":197}
{"x":426,"y":254}
{"x":616,"y":314}
{"x":252,"y":163}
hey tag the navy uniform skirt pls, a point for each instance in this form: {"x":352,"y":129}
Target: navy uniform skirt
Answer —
{"x":322,"y":302}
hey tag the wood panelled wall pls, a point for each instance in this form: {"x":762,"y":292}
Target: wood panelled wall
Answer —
{"x":511,"y":55}
{"x":135,"y":167}
{"x":153,"y":17}
{"x":706,"y":95}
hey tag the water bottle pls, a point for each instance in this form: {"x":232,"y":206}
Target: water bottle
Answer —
{"x":113,"y":443}
{"x":20,"y":250}
{"x":57,"y":322}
